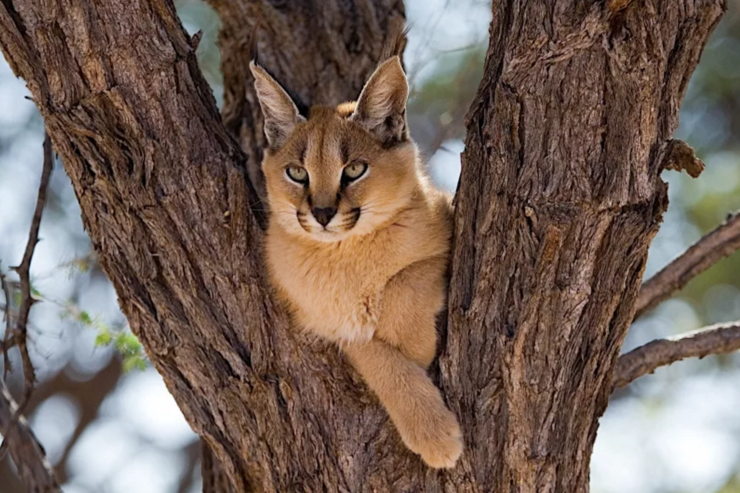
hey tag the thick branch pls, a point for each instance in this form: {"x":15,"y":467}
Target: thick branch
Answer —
{"x":712,"y":248}
{"x":558,"y":201}
{"x":28,"y":455}
{"x":717,"y":339}
{"x":163,"y":195}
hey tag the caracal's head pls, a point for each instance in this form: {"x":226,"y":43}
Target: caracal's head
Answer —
{"x":345,"y":170}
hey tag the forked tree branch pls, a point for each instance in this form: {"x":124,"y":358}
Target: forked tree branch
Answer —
{"x":712,"y":248}
{"x":18,"y":332}
{"x":24,"y":272}
{"x":28,"y":455}
{"x":716,"y":339}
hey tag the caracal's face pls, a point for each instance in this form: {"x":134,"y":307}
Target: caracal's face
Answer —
{"x":331,"y":178}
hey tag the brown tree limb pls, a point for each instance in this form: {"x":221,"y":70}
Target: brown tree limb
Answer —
{"x":6,"y":344}
{"x":716,"y":339}
{"x":28,"y":455}
{"x":716,"y":245}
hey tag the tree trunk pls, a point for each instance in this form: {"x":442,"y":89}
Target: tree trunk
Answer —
{"x":559,"y":198}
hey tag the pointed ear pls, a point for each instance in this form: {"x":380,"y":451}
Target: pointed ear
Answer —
{"x":280,"y":112}
{"x":381,"y":108}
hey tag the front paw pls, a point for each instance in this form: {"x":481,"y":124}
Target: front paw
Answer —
{"x":436,"y":437}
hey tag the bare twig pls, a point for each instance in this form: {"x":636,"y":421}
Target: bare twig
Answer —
{"x":456,"y":114}
{"x":7,"y":344}
{"x":28,"y":455}
{"x":702,"y":255}
{"x":20,"y":329}
{"x":8,"y":327}
{"x":716,"y":339}
{"x":24,"y":272}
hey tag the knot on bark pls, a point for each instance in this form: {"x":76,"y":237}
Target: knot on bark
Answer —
{"x":681,"y":157}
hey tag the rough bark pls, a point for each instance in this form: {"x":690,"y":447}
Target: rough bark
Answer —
{"x":558,"y":201}
{"x":25,"y":450}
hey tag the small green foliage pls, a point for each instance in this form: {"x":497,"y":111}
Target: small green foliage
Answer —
{"x":127,"y":344}
{"x":121,"y":338}
{"x":85,"y":318}
{"x":103,"y":338}
{"x":134,"y":362}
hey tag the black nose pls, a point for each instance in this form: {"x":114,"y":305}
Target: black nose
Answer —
{"x":324,"y":214}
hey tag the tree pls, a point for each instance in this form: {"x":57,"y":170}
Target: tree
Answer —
{"x":559,"y":198}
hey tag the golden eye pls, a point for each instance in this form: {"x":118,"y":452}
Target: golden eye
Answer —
{"x":354,"y":171}
{"x":297,"y":174}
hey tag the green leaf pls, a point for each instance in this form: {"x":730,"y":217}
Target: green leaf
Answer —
{"x":133,"y":362}
{"x":127,"y":344}
{"x":85,"y":318}
{"x":36,"y":293}
{"x":103,"y":338}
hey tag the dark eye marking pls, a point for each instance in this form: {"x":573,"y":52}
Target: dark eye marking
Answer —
{"x":304,"y":150}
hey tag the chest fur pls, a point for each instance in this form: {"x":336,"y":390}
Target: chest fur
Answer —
{"x":335,"y":289}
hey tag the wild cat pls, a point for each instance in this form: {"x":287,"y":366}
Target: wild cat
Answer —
{"x":358,"y":244}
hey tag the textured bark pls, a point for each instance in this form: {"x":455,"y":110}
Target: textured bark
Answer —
{"x":25,"y":450}
{"x":558,"y":201}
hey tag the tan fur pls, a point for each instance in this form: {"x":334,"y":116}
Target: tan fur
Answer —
{"x":374,"y":282}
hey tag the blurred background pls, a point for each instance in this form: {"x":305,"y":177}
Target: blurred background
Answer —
{"x":109,"y":425}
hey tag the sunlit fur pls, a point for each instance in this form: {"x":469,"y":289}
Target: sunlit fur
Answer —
{"x":372,"y":280}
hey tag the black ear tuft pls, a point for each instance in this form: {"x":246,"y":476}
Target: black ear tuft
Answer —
{"x":381,"y":108}
{"x":397,"y":40}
